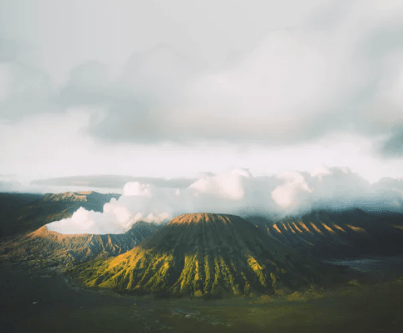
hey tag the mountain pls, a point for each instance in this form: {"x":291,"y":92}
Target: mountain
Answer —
{"x":112,"y":181}
{"x":90,"y":200}
{"x":206,"y":255}
{"x":45,"y":248}
{"x":24,"y":212}
{"x":338,"y":234}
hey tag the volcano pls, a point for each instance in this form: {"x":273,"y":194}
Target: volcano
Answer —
{"x":45,"y":248}
{"x":204,"y":255}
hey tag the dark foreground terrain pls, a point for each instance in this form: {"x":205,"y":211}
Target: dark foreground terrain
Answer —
{"x":44,"y":302}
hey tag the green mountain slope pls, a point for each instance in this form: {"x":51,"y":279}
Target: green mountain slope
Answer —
{"x":205,"y":255}
{"x":44,"y":248}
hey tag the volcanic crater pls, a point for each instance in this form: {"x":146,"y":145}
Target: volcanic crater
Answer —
{"x":46,"y":248}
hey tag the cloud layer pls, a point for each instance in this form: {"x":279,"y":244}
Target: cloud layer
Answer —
{"x":239,"y":192}
{"x":332,"y":66}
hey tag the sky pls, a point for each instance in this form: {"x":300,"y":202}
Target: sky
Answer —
{"x":177,"y":89}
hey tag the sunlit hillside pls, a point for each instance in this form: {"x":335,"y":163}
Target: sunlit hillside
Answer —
{"x":205,"y":255}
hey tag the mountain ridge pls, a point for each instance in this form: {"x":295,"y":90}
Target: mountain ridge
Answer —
{"x":342,"y":234}
{"x":45,"y":248}
{"x":209,"y":255}
{"x":23,"y":212}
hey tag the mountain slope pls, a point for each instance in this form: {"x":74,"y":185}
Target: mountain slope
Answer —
{"x":44,"y":248}
{"x":327,"y":234}
{"x":23,"y":212}
{"x":204,"y":255}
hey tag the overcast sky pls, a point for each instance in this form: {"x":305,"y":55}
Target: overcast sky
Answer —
{"x":173,"y":88}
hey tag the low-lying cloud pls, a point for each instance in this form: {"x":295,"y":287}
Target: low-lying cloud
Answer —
{"x":239,"y":192}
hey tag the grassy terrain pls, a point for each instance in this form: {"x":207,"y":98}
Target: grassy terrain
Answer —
{"x":206,"y":255}
{"x":355,"y":307}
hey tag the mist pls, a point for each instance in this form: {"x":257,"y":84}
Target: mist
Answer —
{"x":238,"y":192}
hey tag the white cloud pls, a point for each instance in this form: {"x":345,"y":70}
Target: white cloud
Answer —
{"x":301,"y":78}
{"x":117,"y":87}
{"x":290,"y":193}
{"x":228,"y":186}
{"x":137,"y":189}
{"x":320,"y":171}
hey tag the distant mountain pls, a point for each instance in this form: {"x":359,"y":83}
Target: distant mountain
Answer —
{"x":338,"y":234}
{"x":206,"y":255}
{"x":23,"y":212}
{"x":16,"y":201}
{"x":43,"y":248}
{"x":90,"y":200}
{"x":112,"y":181}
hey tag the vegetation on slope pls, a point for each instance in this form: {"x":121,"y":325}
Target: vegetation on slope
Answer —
{"x":43,"y":248}
{"x":206,"y":255}
{"x":332,"y":234}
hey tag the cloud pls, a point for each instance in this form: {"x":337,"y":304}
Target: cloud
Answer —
{"x":231,"y":192}
{"x":297,"y":84}
{"x":112,"y":89}
{"x":238,"y":192}
{"x":289,"y":193}
{"x":393,"y":145}
{"x":229,"y":186}
{"x":114,"y":219}
{"x":339,"y":188}
{"x":24,"y":91}
{"x":10,"y":186}
{"x":8,"y":50}
{"x":137,"y":189}
{"x":302,"y":78}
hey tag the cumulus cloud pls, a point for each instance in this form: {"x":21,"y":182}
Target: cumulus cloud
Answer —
{"x":137,"y":189}
{"x":229,"y":186}
{"x":114,"y":219}
{"x":289,"y":193}
{"x":239,"y":192}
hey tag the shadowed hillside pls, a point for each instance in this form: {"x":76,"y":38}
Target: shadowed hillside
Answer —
{"x":205,"y":255}
{"x":345,"y":234}
{"x":24,"y":212}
